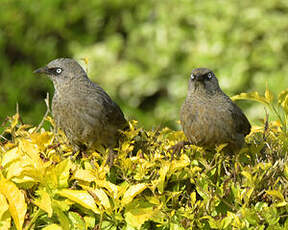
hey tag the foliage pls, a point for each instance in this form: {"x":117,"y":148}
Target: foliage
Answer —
{"x":44,"y":185}
{"x":142,"y":52}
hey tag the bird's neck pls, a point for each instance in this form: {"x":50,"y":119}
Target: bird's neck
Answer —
{"x":197,"y":94}
{"x":63,"y":85}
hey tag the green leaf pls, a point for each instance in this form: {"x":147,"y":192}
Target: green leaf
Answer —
{"x":63,"y":219}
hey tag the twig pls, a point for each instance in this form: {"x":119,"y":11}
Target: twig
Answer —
{"x":46,"y":114}
{"x":266,"y":127}
{"x":17,"y":112}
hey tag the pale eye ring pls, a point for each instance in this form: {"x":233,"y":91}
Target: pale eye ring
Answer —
{"x":209,"y":75}
{"x":58,"y":70}
{"x":192,"y":76}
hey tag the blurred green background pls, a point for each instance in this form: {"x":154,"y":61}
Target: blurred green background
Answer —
{"x":142,"y":52}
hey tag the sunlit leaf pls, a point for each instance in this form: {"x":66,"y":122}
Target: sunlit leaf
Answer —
{"x":276,"y":194}
{"x":282,"y":96}
{"x":85,"y":175}
{"x":77,"y":221}
{"x":163,"y":172}
{"x":102,"y":197}
{"x":112,"y":188}
{"x":16,"y":201}
{"x":132,"y":191}
{"x":80,"y":197}
{"x":254,"y":96}
{"x":268,"y":94}
{"x":58,"y":175}
{"x":5,"y":217}
{"x":137,"y":212}
{"x":63,"y":218}
{"x":52,"y":227}
{"x":10,"y":156}
{"x":44,"y":202}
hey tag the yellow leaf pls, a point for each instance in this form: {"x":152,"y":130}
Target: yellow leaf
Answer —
{"x":226,"y":221}
{"x":253,"y":96}
{"x":102,"y":197}
{"x":248,"y":176}
{"x":183,"y":162}
{"x":80,"y":197}
{"x":286,"y":171}
{"x":276,"y":194}
{"x":163,"y":172}
{"x":15,"y":120}
{"x":284,"y":104}
{"x":32,"y":152}
{"x":3,"y":205}
{"x":193,"y":198}
{"x":10,"y":156}
{"x":247,"y":195}
{"x":268,"y":94}
{"x":5,"y":217}
{"x":16,"y":200}
{"x":137,"y":212}
{"x":52,"y":227}
{"x":42,"y":140}
{"x":282,"y":96}
{"x":25,"y":165}
{"x":15,"y":169}
{"x":85,"y":175}
{"x":112,"y":188}
{"x":212,"y":222}
{"x":58,"y":176}
{"x":219,"y":148}
{"x":132,"y":191}
{"x":44,"y":202}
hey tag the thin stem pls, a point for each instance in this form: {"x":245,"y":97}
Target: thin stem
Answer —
{"x":46,"y":114}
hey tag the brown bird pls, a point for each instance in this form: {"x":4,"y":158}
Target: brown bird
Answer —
{"x":81,"y":108}
{"x":209,"y":117}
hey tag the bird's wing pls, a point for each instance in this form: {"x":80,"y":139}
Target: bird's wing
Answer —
{"x":241,"y":121}
{"x":99,"y":108}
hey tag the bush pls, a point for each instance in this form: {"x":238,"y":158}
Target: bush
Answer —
{"x":142,"y":52}
{"x":43,"y":185}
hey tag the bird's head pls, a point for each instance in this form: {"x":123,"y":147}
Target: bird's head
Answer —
{"x":62,"y":70}
{"x":203,"y":79}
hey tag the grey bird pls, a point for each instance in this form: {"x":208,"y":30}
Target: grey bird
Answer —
{"x":209,"y":117}
{"x":81,"y":108}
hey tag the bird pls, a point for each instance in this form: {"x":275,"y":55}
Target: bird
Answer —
{"x":81,"y":108}
{"x":209,"y":117}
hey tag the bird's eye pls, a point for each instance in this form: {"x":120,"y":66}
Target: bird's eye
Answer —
{"x":192,"y":76}
{"x":210,"y":75}
{"x":58,"y":70}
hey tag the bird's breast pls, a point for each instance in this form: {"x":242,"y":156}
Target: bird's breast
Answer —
{"x":206,"y":121}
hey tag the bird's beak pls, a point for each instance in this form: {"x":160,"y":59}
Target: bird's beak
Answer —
{"x":44,"y":70}
{"x":199,"y":78}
